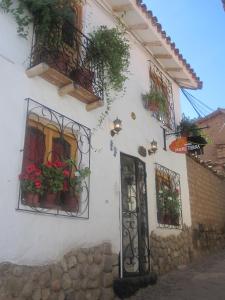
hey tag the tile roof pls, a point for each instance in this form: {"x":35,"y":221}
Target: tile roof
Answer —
{"x":176,"y":51}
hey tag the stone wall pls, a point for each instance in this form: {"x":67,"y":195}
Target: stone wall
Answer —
{"x":84,"y":274}
{"x":207,"y":195}
{"x":168,"y":253}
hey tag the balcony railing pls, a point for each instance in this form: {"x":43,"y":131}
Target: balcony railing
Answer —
{"x":62,"y":57}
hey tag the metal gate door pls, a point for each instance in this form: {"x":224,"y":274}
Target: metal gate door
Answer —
{"x":135,"y":235}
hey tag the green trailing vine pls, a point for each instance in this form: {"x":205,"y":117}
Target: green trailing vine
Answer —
{"x":111,"y":48}
{"x":43,"y":13}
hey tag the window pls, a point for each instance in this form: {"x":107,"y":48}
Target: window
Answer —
{"x":160,"y":83}
{"x":169,"y":211}
{"x":71,"y":25}
{"x":55,"y":168}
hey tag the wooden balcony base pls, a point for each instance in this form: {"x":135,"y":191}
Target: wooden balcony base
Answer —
{"x":65,"y":84}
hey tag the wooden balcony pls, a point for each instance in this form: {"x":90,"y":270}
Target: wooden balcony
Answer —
{"x":67,"y":67}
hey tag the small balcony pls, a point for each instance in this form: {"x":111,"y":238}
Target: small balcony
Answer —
{"x":62,"y":58}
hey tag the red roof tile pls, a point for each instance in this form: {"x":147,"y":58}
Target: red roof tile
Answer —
{"x":176,"y":51}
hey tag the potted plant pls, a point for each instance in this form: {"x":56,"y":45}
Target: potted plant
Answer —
{"x":54,"y":175}
{"x":31,"y":181}
{"x":187,"y":127}
{"x":74,"y":188}
{"x":84,"y":77}
{"x":109,"y":48}
{"x":168,"y":206}
{"x":155,"y":101}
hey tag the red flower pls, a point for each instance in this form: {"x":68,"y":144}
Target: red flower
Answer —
{"x":38,"y":172}
{"x":37,"y":184}
{"x":49,"y":164}
{"x":30,"y":168}
{"x":66,"y":173}
{"x":59,"y":164}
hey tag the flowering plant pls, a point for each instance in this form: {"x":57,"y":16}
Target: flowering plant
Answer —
{"x":55,"y":176}
{"x":168,"y":200}
{"x":32,"y":180}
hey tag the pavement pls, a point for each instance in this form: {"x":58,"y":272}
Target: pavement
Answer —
{"x":204,"y":279}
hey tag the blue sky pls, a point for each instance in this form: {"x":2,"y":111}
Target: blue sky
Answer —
{"x":198,"y":29}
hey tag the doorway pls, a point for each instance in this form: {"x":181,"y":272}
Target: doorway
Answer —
{"x":135,"y":233}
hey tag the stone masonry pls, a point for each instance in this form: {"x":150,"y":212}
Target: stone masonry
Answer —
{"x":168,"y":253}
{"x":84,"y":274}
{"x":207,"y":195}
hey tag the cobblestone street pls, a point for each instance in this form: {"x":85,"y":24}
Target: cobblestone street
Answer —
{"x":204,"y":279}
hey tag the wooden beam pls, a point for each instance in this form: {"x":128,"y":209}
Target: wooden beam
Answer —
{"x":173,"y":69}
{"x":122,"y":8}
{"x":94,"y":105}
{"x":140,"y":26}
{"x":163,"y":56}
{"x":152,"y":44}
{"x":66,"y":89}
{"x":37,"y":70}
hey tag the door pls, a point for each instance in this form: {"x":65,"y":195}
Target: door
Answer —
{"x":135,"y":234}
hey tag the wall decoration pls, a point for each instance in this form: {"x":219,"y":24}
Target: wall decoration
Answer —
{"x":133,"y":116}
{"x":142,"y":151}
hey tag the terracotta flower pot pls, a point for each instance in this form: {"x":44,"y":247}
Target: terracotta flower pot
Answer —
{"x":71,"y":202}
{"x":50,"y":200}
{"x":83,"y":77}
{"x":32,"y":199}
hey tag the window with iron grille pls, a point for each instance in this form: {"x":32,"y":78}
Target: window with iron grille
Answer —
{"x":56,"y":164}
{"x":169,"y":209}
{"x":160,"y":83}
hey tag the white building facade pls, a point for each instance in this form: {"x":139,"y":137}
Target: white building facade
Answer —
{"x":112,"y":201}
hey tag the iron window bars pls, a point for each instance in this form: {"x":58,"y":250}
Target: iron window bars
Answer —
{"x":168,"y":196}
{"x":160,"y":82}
{"x":59,"y":138}
{"x":68,"y":50}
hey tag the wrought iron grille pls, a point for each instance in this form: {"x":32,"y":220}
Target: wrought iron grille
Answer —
{"x":135,"y":238}
{"x":56,"y":164}
{"x":169,"y":208}
{"x":67,"y":50}
{"x":159,"y":82}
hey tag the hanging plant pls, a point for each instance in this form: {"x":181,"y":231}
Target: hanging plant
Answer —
{"x":188,"y":128}
{"x":111,"y":48}
{"x":155,"y":101}
{"x":43,"y":13}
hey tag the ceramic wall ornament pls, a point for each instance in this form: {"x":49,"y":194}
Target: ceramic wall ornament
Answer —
{"x":133,"y":116}
{"x":142,"y":151}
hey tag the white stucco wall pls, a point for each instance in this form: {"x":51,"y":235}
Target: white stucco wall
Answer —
{"x":33,"y":239}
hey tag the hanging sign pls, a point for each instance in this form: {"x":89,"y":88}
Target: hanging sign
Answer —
{"x":193,"y":144}
{"x":179,"y":145}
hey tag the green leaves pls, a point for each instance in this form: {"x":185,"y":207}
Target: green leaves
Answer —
{"x":155,"y":97}
{"x":44,"y":14}
{"x":187,"y":127}
{"x":110,"y":47}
